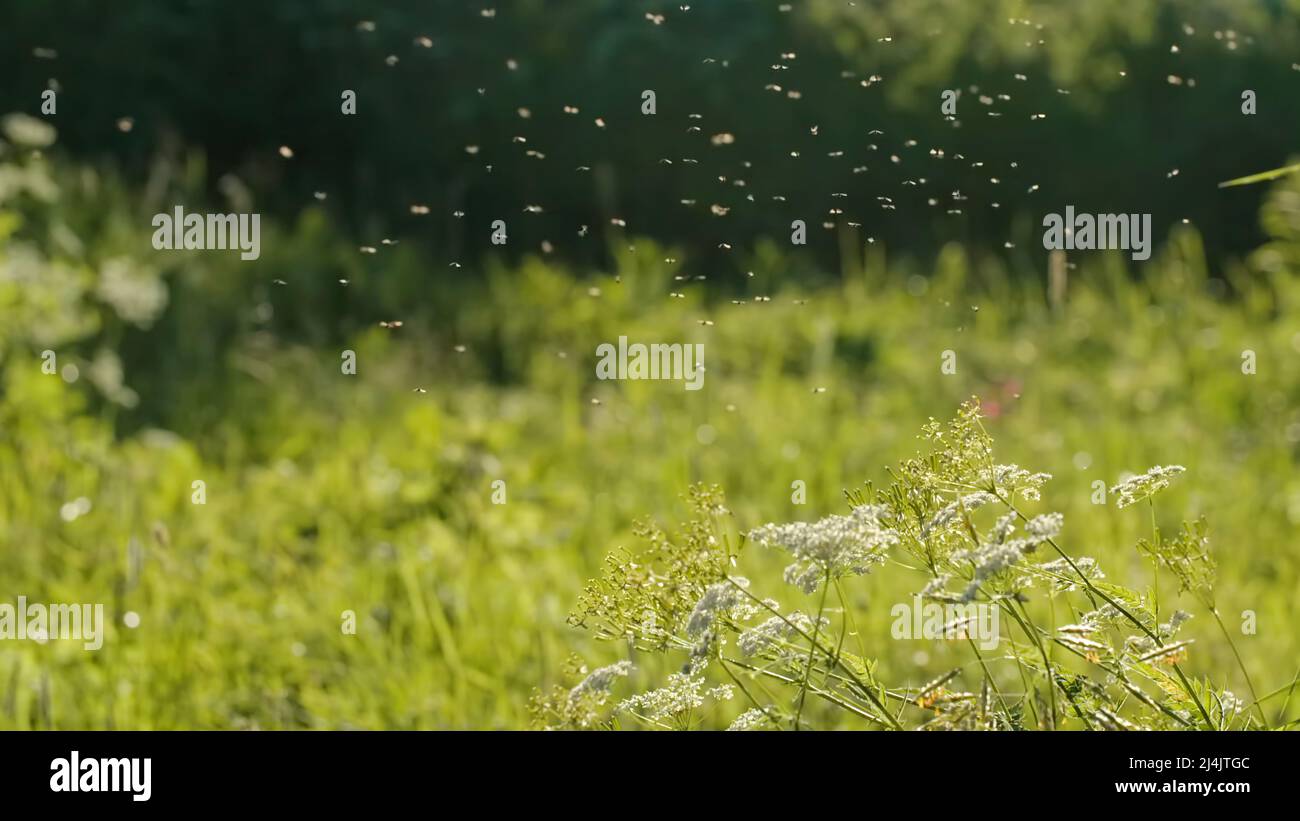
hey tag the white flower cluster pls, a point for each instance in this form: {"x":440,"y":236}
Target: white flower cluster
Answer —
{"x":1176,"y":621}
{"x":990,"y":560}
{"x":722,"y":598}
{"x":756,"y":639}
{"x":1001,"y":553}
{"x":753,"y":719}
{"x":937,"y":588}
{"x":1003,"y":527}
{"x":948,"y":514}
{"x":1142,"y":487}
{"x":1103,"y":616}
{"x":723,"y":692}
{"x":1232,"y":705}
{"x":1067,"y":580}
{"x":684,"y":692}
{"x":1017,"y":480}
{"x":834,"y":546}
{"x":599,"y":681}
{"x":1044,"y":527}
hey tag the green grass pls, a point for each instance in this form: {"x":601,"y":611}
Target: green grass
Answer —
{"x":328,"y":493}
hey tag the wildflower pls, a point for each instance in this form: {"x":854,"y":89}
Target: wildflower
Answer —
{"x":1231,"y":704}
{"x":1187,"y":555}
{"x":833,"y":546}
{"x":989,"y":560}
{"x":1016,"y":479}
{"x":749,"y":720}
{"x":600,"y":680}
{"x":778,"y":628}
{"x":999,"y":553}
{"x":948,"y":514}
{"x":723,"y":692}
{"x":23,"y":130}
{"x":1064,"y":578}
{"x":937,"y":588}
{"x":1044,"y":527}
{"x":579,"y":707}
{"x":1003,"y":528}
{"x":1083,"y":645}
{"x":754,"y":640}
{"x":1139,"y":488}
{"x":1077,"y":629}
{"x":701,"y":652}
{"x":720,"y":598}
{"x":1168,"y":653}
{"x":1175,"y":621}
{"x":682,"y":693}
{"x":1108,"y":614}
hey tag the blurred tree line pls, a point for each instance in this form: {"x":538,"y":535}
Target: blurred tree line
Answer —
{"x":1108,"y":105}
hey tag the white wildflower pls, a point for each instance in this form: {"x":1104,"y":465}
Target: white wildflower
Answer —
{"x":1016,"y":479}
{"x":749,"y":720}
{"x":834,"y":546}
{"x":723,"y":692}
{"x":1176,"y":621}
{"x":937,"y":588}
{"x":948,"y":514}
{"x":989,"y":560}
{"x":702,"y":652}
{"x":1003,"y":528}
{"x":1082,"y":644}
{"x":1112,"y":721}
{"x":718,"y":599}
{"x":778,"y":628}
{"x":682,"y":693}
{"x":1135,"y":489}
{"x":1231,"y":704}
{"x":600,"y":680}
{"x":754,"y":640}
{"x":24,"y":130}
{"x":1064,"y":579}
{"x":1044,"y":527}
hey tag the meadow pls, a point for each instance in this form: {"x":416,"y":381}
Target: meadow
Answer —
{"x":377,"y":493}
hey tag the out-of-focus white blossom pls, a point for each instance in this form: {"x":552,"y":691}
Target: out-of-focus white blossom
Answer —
{"x":1044,"y":527}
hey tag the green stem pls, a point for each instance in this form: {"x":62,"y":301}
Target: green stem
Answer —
{"x":1249,"y":684}
{"x":1032,"y":633}
{"x":812,"y":648}
{"x":1088,"y":585}
{"x":748,"y":695}
{"x":866,"y":691}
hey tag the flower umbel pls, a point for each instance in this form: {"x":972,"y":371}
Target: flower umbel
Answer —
{"x":1142,"y":487}
{"x":834,"y":546}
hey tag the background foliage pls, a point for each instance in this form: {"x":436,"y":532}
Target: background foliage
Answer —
{"x":372,"y":493}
